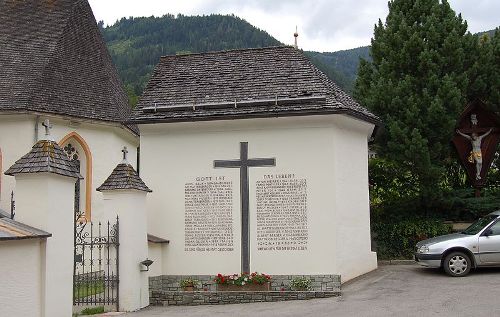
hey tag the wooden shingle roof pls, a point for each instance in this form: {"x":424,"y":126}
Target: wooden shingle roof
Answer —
{"x":53,"y":60}
{"x":262,"y":82}
{"x":45,"y":157}
{"x":124,"y":176}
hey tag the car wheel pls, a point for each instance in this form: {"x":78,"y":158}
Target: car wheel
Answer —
{"x":457,"y":264}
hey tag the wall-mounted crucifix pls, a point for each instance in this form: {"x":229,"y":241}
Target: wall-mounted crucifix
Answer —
{"x":476,"y":139}
{"x":243,"y":164}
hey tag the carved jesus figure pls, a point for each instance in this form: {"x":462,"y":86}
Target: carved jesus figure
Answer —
{"x":475,"y":154}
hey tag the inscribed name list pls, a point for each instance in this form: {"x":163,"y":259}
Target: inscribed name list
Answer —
{"x":208,"y":216}
{"x":282,"y":213}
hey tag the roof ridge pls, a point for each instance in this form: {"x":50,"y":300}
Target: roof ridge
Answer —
{"x":226,"y":51}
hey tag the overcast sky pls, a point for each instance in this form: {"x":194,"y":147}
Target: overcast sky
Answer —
{"x":323,"y":25}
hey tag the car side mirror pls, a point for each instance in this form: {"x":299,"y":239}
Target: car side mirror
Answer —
{"x":488,"y":232}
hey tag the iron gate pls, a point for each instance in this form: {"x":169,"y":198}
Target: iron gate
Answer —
{"x":96,"y":265}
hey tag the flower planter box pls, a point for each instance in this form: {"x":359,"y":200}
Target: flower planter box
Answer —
{"x":243,"y":288}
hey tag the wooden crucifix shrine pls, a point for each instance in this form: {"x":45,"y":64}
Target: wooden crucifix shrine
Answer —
{"x":476,"y":139}
{"x":243,"y":164}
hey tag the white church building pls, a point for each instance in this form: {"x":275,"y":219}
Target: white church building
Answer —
{"x":256,"y":160}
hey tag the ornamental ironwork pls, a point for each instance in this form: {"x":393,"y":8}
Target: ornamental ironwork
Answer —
{"x":96,"y":262}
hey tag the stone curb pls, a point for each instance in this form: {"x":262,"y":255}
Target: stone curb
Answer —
{"x":396,"y":262}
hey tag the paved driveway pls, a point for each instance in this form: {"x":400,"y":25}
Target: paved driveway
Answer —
{"x":392,"y":290}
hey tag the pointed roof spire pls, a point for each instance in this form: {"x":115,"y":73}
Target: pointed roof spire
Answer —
{"x":124,"y":176}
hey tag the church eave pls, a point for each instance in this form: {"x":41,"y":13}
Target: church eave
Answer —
{"x":216,"y":117}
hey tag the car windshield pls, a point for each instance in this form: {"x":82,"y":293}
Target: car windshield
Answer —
{"x":479,"y":225}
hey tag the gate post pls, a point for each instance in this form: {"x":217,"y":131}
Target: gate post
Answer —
{"x":125,"y":193}
{"x":45,"y":189}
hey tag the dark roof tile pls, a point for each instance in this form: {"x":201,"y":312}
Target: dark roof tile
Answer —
{"x":45,"y":157}
{"x":53,"y":60}
{"x":124,"y":177}
{"x":272,"y":81}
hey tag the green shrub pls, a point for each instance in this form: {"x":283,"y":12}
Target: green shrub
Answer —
{"x":300,"y":284}
{"x":396,"y":240}
{"x":189,"y":282}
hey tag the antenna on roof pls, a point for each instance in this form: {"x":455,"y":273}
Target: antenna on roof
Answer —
{"x":296,"y":35}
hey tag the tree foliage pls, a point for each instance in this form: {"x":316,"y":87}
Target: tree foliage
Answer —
{"x":425,"y":68}
{"x":136,"y":44}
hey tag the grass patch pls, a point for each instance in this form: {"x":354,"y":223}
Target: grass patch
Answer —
{"x":82,"y":290}
{"x":93,"y":310}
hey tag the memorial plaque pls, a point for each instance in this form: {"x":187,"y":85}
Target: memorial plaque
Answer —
{"x":208,"y":217}
{"x":282,"y":213}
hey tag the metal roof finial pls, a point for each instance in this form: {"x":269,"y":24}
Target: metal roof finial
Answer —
{"x":296,"y":35}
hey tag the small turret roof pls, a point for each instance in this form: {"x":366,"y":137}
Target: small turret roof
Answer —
{"x":46,"y":156}
{"x":124,"y":176}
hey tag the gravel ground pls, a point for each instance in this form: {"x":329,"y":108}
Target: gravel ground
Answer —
{"x":391,"y":290}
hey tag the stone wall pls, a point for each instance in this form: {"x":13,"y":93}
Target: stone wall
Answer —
{"x":165,"y":290}
{"x":167,"y":298}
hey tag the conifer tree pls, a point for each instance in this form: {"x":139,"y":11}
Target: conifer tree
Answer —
{"x":418,"y":84}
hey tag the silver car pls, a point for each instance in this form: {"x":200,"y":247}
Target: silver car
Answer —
{"x":478,"y":245}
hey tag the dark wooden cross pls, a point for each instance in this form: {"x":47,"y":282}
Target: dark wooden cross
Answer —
{"x":243,"y":164}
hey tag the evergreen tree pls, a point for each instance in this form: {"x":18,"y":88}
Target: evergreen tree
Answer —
{"x":418,"y":84}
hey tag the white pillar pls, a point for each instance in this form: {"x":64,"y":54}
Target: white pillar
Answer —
{"x":130,"y":205}
{"x":46,"y":201}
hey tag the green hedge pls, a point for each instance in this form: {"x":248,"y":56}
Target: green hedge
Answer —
{"x":396,"y":240}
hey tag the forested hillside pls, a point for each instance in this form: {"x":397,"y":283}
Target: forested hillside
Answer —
{"x":136,"y":44}
{"x":342,"y":66}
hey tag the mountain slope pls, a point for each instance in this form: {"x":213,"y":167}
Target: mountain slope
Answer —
{"x":136,"y":44}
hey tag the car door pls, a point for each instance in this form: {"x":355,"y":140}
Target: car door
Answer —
{"x":489,"y":245}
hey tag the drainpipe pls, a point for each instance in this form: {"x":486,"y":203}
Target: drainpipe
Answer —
{"x":37,"y":120}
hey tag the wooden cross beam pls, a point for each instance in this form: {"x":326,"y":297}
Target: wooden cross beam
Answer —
{"x":243,"y":164}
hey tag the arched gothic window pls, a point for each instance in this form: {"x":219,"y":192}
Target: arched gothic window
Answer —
{"x":78,"y":152}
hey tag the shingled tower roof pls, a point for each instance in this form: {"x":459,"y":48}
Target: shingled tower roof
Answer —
{"x":45,"y":157}
{"x":248,"y":83}
{"x":53,"y":60}
{"x":124,"y":176}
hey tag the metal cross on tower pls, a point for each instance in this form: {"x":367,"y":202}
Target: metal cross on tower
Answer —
{"x":243,"y":164}
{"x":48,"y":126}
{"x":125,"y":152}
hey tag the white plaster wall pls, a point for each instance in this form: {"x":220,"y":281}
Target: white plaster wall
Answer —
{"x":155,"y":251}
{"x":16,"y":139}
{"x":45,"y":201}
{"x":351,"y":198}
{"x":131,"y":208}
{"x":20,"y":287}
{"x":173,"y":154}
{"x":17,"y":136}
